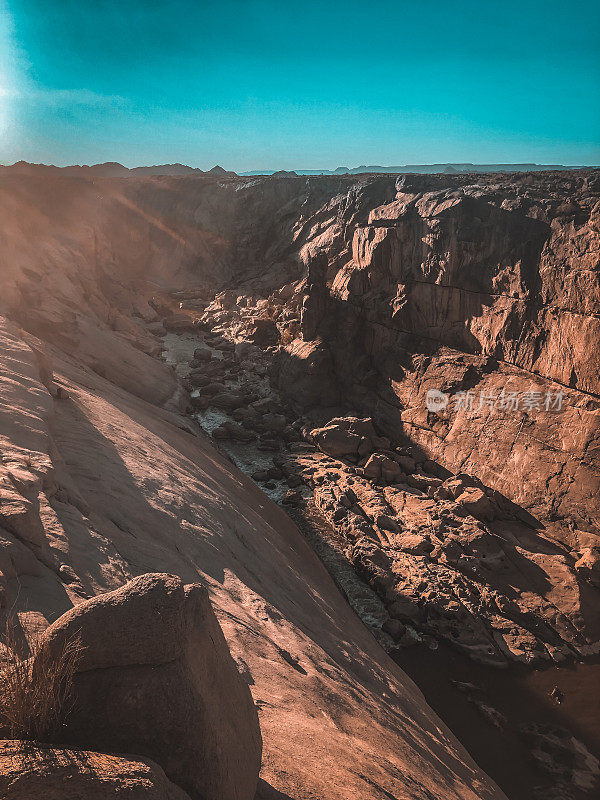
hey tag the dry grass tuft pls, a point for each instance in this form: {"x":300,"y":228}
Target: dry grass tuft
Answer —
{"x":36,"y":692}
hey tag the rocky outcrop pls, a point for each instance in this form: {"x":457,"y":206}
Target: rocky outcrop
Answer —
{"x":486,"y":288}
{"x":28,"y":770}
{"x":449,"y":556}
{"x":156,"y":678}
{"x":483,"y":297}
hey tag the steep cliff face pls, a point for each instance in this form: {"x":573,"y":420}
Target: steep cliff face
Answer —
{"x":507,"y":271}
{"x":466,"y":324}
{"x":481,"y":288}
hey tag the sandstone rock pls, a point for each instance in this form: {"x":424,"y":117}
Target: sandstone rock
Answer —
{"x":342,"y":436}
{"x":335,"y":441}
{"x":29,"y":770}
{"x":477,"y":503}
{"x":380,"y":467}
{"x":156,"y":677}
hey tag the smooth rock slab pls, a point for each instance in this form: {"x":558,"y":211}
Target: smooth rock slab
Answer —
{"x":29,"y":771}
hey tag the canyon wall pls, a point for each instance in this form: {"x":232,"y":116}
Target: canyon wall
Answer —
{"x":480,"y":288}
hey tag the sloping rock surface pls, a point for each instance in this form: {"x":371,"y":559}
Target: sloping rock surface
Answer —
{"x":30,"y":771}
{"x":129,"y":489}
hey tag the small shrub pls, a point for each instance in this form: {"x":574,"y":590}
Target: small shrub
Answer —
{"x":36,"y":692}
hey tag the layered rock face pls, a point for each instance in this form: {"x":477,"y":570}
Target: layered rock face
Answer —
{"x":485,"y":295}
{"x":507,"y":273}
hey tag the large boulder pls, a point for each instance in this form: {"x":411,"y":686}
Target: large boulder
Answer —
{"x":156,"y":678}
{"x":380,"y":467}
{"x":228,"y":401}
{"x":343,"y":436}
{"x":30,"y":770}
{"x":477,"y":503}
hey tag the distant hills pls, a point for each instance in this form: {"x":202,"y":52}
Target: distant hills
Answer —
{"x":426,"y":169}
{"x":113,"y":169}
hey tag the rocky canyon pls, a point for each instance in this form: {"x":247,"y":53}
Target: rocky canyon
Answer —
{"x":310,"y":467}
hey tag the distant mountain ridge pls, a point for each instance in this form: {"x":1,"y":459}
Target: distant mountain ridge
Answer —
{"x":113,"y":169}
{"x":428,"y":169}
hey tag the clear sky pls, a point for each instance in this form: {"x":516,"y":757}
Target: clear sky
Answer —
{"x":257,"y":84}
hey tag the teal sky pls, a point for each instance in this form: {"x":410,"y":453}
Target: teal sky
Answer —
{"x":256,"y":84}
